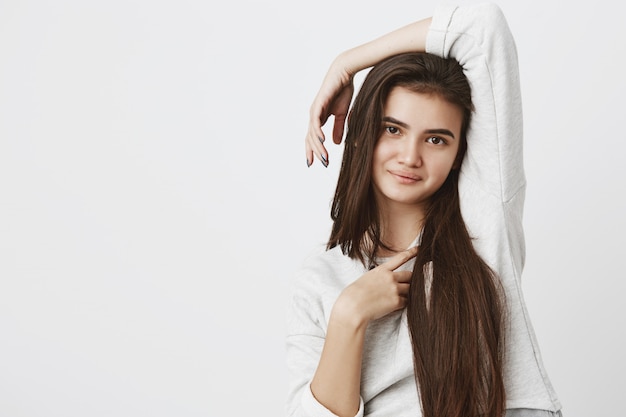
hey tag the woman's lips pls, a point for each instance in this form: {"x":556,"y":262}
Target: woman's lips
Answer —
{"x":405,"y":177}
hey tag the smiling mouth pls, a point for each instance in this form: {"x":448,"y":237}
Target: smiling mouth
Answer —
{"x":405,"y":177}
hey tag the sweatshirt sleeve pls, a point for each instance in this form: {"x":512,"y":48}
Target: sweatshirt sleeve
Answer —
{"x":479,"y":38}
{"x":492,"y":181}
{"x":306,"y":332}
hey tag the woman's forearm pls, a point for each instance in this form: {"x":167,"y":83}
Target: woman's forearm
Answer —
{"x":409,"y":38}
{"x":337,"y":380}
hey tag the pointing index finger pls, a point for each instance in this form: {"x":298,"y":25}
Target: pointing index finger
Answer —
{"x":401,"y":258}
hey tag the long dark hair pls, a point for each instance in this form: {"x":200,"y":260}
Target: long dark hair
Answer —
{"x":456,"y":325}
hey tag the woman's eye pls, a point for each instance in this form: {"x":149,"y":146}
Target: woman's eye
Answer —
{"x":392,"y":129}
{"x":436,"y":140}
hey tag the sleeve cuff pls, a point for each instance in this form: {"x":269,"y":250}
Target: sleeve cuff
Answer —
{"x":436,"y":38}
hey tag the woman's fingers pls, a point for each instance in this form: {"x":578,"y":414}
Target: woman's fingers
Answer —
{"x":380,"y":291}
{"x":340,"y":107}
{"x":400,"y":258}
{"x":338,"y":126}
{"x":314,"y":142}
{"x":403,"y":277}
{"x":403,"y":289}
{"x":314,"y":146}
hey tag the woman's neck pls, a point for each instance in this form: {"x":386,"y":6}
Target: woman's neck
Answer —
{"x":400,"y":225}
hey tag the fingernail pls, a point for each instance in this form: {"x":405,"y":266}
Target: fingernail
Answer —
{"x":324,"y":159}
{"x":320,"y":138}
{"x":308,"y":164}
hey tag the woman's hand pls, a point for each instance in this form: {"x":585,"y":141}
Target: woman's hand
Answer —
{"x":377,"y":293}
{"x":333,"y":98}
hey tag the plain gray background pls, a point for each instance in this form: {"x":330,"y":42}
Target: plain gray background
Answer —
{"x":155,"y":201}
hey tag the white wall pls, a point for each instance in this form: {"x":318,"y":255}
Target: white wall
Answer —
{"x":154,"y":197}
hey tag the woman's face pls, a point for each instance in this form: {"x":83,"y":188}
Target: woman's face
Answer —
{"x":416,"y":149}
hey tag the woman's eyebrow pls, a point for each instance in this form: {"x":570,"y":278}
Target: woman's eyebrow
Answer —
{"x":395,"y":121}
{"x":441,"y":132}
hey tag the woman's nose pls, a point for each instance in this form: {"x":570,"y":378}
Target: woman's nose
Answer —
{"x":410,"y":154}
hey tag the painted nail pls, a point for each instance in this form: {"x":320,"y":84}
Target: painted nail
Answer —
{"x":308,"y":164}
{"x":324,"y":159}
{"x":320,"y":138}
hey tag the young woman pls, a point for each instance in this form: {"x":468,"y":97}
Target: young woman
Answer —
{"x":416,"y":307}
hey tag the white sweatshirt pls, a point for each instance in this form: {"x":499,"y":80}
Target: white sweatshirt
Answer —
{"x":491,"y":186}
